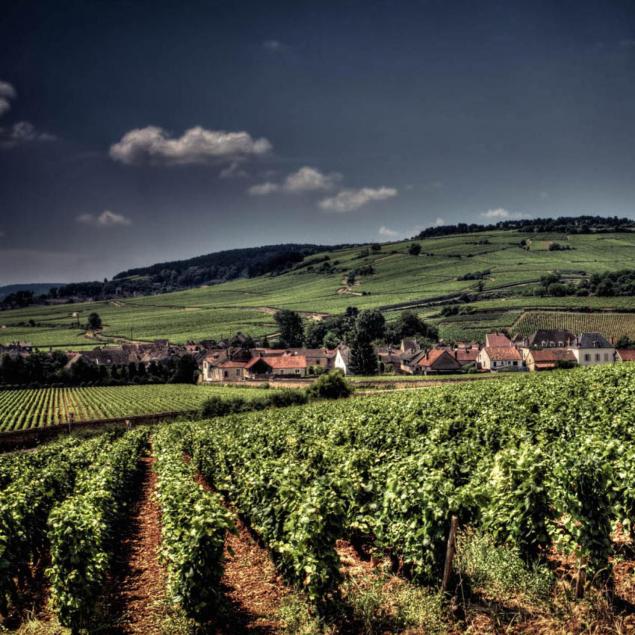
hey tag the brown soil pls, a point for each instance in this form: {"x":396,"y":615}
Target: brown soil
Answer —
{"x":252,"y":587}
{"x":139,"y":578}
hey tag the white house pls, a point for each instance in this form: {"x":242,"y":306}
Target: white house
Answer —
{"x":591,"y":349}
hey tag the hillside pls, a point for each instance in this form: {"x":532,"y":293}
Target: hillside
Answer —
{"x":37,"y":288}
{"x":497,"y":271}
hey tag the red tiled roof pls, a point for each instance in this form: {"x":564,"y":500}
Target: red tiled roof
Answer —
{"x":503,"y":353}
{"x":433,"y":356}
{"x":280,"y":361}
{"x":627,"y":354}
{"x":466,"y":355}
{"x":497,"y":340}
{"x":233,"y":363}
{"x":554,"y":355}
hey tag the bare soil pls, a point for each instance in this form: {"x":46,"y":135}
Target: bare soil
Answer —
{"x":139,"y":578}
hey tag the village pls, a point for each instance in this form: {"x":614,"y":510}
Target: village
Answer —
{"x":239,"y":361}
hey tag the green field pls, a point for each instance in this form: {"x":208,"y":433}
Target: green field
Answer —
{"x":533,"y":473}
{"x":248,"y":305}
{"x":39,"y":407}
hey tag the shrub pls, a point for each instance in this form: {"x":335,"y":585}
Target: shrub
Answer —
{"x":331,"y":385}
{"x":282,"y":398}
{"x":217,"y":407}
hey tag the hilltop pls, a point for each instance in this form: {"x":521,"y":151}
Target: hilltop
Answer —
{"x":465,"y":283}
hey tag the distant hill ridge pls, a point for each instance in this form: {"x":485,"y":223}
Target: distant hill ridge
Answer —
{"x":250,"y":262}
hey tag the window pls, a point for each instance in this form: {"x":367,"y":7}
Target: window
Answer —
{"x":515,"y":363}
{"x":587,"y":357}
{"x":597,"y":357}
{"x":225,"y":374}
{"x":606,"y":357}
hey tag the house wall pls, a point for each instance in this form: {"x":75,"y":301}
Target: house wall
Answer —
{"x":340,"y":363}
{"x":594,"y":356}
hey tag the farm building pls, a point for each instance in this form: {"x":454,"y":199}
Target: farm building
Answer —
{"x":496,"y":358}
{"x":266,"y":366}
{"x":548,"y":358}
{"x":549,"y":338}
{"x":436,"y":360}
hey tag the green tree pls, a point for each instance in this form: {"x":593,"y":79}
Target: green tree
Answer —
{"x":372,"y":324}
{"x":291,"y":327}
{"x":414,"y":249}
{"x":94,"y":321}
{"x":363,"y":360}
{"x":186,"y":370}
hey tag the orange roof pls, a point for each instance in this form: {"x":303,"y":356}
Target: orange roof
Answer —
{"x":627,"y":354}
{"x":233,"y":363}
{"x":466,"y":355}
{"x":547,"y":355}
{"x":434,"y":355}
{"x":503,"y":353}
{"x":280,"y":361}
{"x":497,"y":340}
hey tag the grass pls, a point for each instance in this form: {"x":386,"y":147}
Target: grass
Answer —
{"x":248,"y":304}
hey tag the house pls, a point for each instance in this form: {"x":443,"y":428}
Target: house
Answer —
{"x":409,"y":345}
{"x":263,"y":367}
{"x":498,"y":340}
{"x":436,"y":360}
{"x":343,"y":358}
{"x":592,"y":348}
{"x":549,"y":338}
{"x":548,"y":358}
{"x":497,"y":358}
{"x":625,"y":354}
{"x":466,"y":356}
{"x":315,"y":357}
{"x":230,"y":370}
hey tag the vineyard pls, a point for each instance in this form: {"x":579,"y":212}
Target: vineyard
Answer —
{"x":609,"y":324}
{"x":537,"y":471}
{"x":39,"y":407}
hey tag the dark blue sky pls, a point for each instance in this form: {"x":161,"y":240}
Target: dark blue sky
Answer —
{"x":135,"y":132}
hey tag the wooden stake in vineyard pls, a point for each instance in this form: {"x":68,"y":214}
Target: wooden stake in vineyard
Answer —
{"x":449,"y":554}
{"x":580,"y":581}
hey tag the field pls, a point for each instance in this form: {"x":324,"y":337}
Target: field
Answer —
{"x":248,"y":305}
{"x":351,"y":503}
{"x":610,"y":324}
{"x":39,"y":407}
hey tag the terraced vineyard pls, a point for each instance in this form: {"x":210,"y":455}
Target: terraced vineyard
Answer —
{"x":218,"y":311}
{"x":21,"y":409}
{"x":536,"y":470}
{"x":609,"y":324}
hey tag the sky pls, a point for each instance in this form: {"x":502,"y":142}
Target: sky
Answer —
{"x":135,"y":132}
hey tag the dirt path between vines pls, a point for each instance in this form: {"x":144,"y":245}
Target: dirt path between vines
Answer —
{"x":139,"y":578}
{"x":254,"y":590}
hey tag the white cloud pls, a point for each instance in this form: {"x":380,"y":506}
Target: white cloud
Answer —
{"x":439,"y":222}
{"x":152,"y":145}
{"x":22,"y":132}
{"x":500,"y":213}
{"x":308,"y":179}
{"x":262,"y":189}
{"x":105,"y":219}
{"x":7,"y":93}
{"x":387,"y":232}
{"x":349,"y":200}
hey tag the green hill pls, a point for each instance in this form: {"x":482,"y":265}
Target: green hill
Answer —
{"x":491,"y":269}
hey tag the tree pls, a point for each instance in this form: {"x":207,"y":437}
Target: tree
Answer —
{"x":363,"y":360}
{"x":291,"y":327}
{"x":331,"y":385}
{"x":408,"y":324}
{"x":94,"y":321}
{"x":414,"y":249}
{"x":186,"y":370}
{"x":372,"y":323}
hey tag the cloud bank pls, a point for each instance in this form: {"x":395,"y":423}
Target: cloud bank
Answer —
{"x":501,"y":213}
{"x":153,"y":146}
{"x":306,"y":179}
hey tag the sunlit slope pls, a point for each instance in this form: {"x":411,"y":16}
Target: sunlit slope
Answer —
{"x":247,"y":305}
